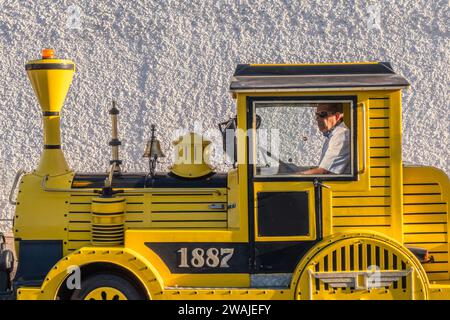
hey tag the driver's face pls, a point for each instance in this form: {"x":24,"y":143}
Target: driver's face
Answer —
{"x":325,"y":119}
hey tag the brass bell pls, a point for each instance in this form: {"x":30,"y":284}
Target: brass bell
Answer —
{"x":153,"y":148}
{"x":153,"y":151}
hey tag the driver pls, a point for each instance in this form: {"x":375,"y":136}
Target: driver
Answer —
{"x":335,"y":157}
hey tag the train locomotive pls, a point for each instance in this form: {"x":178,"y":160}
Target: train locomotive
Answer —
{"x":258,"y":231}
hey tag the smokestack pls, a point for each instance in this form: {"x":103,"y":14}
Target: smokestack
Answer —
{"x":51,"y":79}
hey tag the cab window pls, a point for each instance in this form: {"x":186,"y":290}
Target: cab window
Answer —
{"x":304,"y":139}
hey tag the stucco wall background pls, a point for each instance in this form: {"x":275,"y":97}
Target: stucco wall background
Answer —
{"x":169,"y":63}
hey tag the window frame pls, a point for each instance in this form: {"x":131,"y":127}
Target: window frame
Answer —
{"x":251,"y":119}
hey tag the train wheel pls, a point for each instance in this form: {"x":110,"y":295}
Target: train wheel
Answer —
{"x":107,"y":287}
{"x":105,"y":293}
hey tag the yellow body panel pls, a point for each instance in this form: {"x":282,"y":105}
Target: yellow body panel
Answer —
{"x":425,"y":216}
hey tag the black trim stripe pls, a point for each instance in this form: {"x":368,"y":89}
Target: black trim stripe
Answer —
{"x":193,"y":221}
{"x":363,"y":226}
{"x":107,"y":213}
{"x":421,"y":184}
{"x":52,"y":146}
{"x":325,"y":268}
{"x":250,"y":194}
{"x":271,"y":88}
{"x":115,"y":201}
{"x":50,"y":66}
{"x":343,"y":262}
{"x":190,"y":211}
{"x":117,"y":234}
{"x":317,"y":278}
{"x":352,"y":257}
{"x":386,"y":259}
{"x":107,"y":227}
{"x":404,"y":279}
{"x":50,"y":113}
{"x":189,"y":202}
{"x":115,"y":143}
{"x":160,"y":180}
{"x":334,"y":260}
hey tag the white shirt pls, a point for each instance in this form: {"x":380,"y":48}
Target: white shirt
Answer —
{"x":336,"y":150}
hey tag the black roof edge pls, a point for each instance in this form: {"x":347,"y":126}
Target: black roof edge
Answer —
{"x":299,"y":87}
{"x":314,"y":69}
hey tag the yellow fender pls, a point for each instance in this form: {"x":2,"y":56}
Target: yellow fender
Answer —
{"x":343,"y":266}
{"x":124,"y":258}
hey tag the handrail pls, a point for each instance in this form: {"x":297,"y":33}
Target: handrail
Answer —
{"x":172,"y":190}
{"x":14,"y":186}
{"x":363,"y":105}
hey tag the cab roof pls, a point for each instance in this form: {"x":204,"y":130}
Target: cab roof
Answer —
{"x":320,"y":77}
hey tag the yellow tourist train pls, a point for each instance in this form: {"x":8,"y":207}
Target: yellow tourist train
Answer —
{"x":264,"y":229}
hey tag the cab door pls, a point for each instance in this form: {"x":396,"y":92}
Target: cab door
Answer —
{"x":286,"y":224}
{"x":285,"y":206}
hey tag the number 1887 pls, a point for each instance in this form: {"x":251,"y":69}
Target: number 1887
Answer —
{"x":213,"y":257}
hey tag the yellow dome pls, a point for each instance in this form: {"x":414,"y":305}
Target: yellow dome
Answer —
{"x":191,"y":156}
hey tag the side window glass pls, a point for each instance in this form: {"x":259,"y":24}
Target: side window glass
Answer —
{"x":303,"y":139}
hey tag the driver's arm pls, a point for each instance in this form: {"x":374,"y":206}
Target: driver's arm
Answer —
{"x":315,"y":171}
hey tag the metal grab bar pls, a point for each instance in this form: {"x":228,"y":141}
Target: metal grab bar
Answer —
{"x":364,"y":129}
{"x":134,"y":190}
{"x":172,"y":190}
{"x":14,"y":186}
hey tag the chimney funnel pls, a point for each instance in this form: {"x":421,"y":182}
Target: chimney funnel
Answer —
{"x":51,"y":79}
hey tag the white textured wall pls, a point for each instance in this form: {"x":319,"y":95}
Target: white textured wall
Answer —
{"x":169,"y":63}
